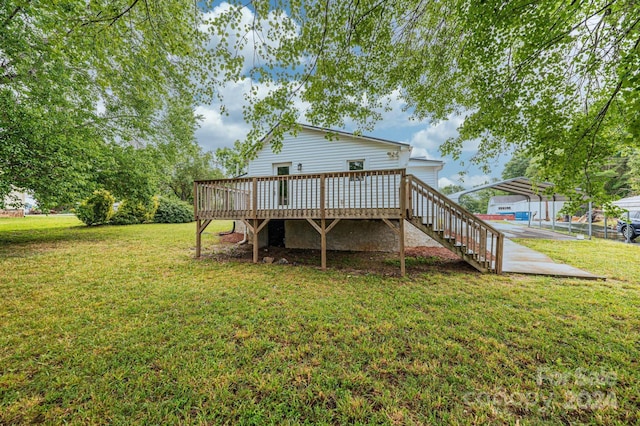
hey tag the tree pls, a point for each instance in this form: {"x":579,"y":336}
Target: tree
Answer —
{"x":475,"y":202}
{"x":451,"y":189}
{"x":231,"y":160}
{"x":634,"y":172}
{"x":179,"y":158}
{"x":517,"y":166}
{"x":83,"y":80}
{"x":556,"y":78}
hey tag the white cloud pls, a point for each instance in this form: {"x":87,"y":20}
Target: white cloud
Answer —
{"x":432,"y":137}
{"x":217,"y":131}
{"x":465,"y":181}
{"x":417,"y":152}
{"x":443,"y":181}
{"x":222,"y":130}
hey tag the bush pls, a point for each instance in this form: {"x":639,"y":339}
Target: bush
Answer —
{"x":97,"y":209}
{"x":132,"y":212}
{"x":173,"y":211}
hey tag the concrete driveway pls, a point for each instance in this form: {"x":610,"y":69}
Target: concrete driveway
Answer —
{"x":519,"y":259}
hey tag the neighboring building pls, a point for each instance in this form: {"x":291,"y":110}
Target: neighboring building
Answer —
{"x":521,"y":206}
{"x":14,"y":205}
{"x":310,"y":151}
{"x":507,"y":204}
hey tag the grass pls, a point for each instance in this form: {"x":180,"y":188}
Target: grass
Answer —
{"x":121,"y":325}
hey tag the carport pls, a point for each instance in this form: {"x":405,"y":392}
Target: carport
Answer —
{"x":538,"y":191}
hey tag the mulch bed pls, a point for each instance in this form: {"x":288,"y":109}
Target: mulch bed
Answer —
{"x":232,"y":238}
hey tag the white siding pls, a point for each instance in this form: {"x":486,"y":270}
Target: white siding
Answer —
{"x":427,"y":174}
{"x":523,"y":206}
{"x":425,"y":170}
{"x":319,"y":155}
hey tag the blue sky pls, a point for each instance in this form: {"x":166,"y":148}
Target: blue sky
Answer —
{"x":219,"y":130}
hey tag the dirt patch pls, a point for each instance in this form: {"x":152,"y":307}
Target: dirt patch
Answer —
{"x":418,"y":259}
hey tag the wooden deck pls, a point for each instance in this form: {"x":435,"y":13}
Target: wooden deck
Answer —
{"x":326,"y":198}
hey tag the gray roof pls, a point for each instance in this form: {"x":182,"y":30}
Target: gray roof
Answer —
{"x":427,"y":162}
{"x":343,"y":133}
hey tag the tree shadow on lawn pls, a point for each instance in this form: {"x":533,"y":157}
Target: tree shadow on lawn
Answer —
{"x":28,"y":242}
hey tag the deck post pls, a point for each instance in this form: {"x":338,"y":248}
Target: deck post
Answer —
{"x":198,"y":239}
{"x":323,"y":227}
{"x":323,"y":244}
{"x":403,"y":270}
{"x":195,"y":214}
{"x":255,"y":240}
{"x":403,"y":214}
{"x":499,"y":248}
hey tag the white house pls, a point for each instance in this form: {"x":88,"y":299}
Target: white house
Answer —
{"x":312,"y":151}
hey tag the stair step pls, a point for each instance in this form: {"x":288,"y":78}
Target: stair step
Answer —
{"x":443,"y":231}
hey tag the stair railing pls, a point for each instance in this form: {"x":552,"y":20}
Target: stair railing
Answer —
{"x":462,"y":230}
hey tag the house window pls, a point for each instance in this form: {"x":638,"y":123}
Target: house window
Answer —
{"x":355,"y":166}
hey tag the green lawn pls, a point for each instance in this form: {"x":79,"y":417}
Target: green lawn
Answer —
{"x":122,"y":325}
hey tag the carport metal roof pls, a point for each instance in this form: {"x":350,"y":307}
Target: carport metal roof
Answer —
{"x":519,"y":186}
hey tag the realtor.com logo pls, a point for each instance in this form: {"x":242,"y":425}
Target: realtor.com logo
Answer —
{"x":580,"y":389}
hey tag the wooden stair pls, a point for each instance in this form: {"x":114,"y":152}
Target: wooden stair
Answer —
{"x":451,"y":225}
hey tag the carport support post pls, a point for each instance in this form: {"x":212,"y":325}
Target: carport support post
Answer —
{"x":628,"y":224}
{"x":590,"y":218}
{"x":540,"y":211}
{"x":606,"y":236}
{"x":553,"y":212}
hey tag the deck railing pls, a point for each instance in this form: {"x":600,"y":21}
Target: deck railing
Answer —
{"x":474,"y":237}
{"x":367,"y":194}
{"x":356,"y":194}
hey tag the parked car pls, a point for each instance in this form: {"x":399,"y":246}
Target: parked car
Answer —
{"x":630,"y":230}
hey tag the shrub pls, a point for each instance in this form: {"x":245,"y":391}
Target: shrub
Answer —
{"x":173,"y":211}
{"x":97,"y":209}
{"x":132,"y":212}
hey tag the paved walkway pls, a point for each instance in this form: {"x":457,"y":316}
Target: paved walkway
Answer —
{"x":523,"y":260}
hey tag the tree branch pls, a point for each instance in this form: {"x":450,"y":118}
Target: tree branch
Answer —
{"x":112,"y":19}
{"x":13,"y":14}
